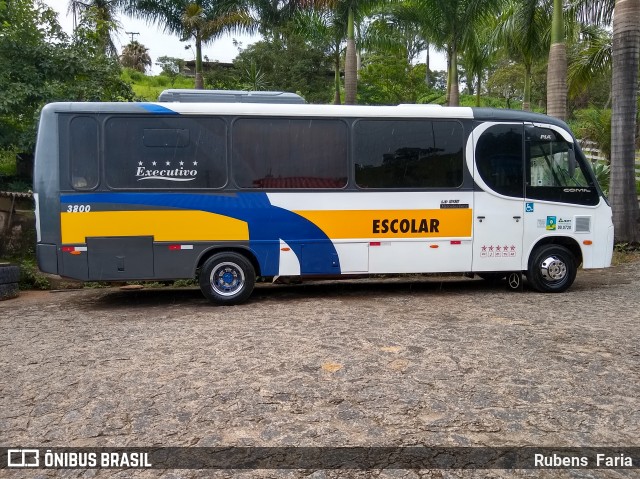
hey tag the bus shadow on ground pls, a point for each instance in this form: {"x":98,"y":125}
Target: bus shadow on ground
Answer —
{"x":311,"y":289}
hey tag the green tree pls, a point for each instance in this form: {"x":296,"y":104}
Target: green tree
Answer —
{"x":101,"y":15}
{"x":590,"y":60}
{"x":203,"y":21}
{"x":171,"y":67}
{"x":352,"y":11}
{"x":40,"y":64}
{"x":323,"y":28}
{"x":450,"y":24}
{"x":136,"y":56}
{"x":522,"y":31}
{"x":390,"y":80}
{"x":289,"y":62}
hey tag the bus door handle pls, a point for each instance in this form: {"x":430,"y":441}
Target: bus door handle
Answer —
{"x":517,"y":218}
{"x":480,"y":218}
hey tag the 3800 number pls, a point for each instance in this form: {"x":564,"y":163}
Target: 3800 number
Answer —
{"x":78,"y":208}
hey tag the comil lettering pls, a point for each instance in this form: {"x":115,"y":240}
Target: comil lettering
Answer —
{"x":413,"y":225}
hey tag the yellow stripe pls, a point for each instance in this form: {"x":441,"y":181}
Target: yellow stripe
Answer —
{"x":172,"y":225}
{"x":371,"y":223}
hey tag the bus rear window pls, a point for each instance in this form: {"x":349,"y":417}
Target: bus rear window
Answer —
{"x":83,"y":153}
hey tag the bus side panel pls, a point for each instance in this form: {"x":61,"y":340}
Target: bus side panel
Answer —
{"x":120,"y":258}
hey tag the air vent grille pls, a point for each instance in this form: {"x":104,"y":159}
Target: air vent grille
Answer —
{"x":583,"y":224}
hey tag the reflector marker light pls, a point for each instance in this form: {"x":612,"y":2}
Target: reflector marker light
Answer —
{"x":73,"y":249}
{"x":178,"y":247}
{"x":587,"y":242}
{"x":374,"y":243}
{"x":456,"y":242}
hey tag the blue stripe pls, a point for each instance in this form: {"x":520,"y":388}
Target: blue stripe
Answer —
{"x":157,"y":109}
{"x":267,"y":225}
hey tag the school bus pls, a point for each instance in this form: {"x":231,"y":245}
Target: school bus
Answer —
{"x":227,"y":192}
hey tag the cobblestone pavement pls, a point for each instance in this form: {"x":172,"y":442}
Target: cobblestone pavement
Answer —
{"x":403,"y":361}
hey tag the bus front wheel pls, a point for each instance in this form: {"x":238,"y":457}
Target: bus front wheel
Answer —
{"x":227,"y":278}
{"x":552,"y":269}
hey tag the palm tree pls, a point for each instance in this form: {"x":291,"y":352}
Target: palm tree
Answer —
{"x":324,"y":27}
{"x":477,"y":57}
{"x":626,"y":53}
{"x":136,"y":56}
{"x":451,"y":23}
{"x":591,"y":59}
{"x":557,"y":68}
{"x":101,"y":16}
{"x":522,"y":31}
{"x":200,"y":20}
{"x":352,"y":11}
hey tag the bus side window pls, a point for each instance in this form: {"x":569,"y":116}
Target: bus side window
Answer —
{"x":399,"y":153}
{"x":499,"y":159}
{"x":84,"y":153}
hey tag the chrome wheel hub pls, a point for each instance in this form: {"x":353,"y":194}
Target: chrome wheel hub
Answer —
{"x":227,"y":279}
{"x":553,"y":269}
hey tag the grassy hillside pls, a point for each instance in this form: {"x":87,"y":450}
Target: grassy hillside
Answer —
{"x":149,"y":87}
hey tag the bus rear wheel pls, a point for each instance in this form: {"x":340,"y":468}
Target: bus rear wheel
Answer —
{"x":227,"y":278}
{"x":552,"y":269}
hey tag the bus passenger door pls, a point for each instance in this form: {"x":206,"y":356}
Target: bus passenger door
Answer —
{"x":498,"y":199}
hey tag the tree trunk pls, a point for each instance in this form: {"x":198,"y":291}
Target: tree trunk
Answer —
{"x":336,"y":97}
{"x":557,"y":67}
{"x":449,"y":80}
{"x":427,"y":75}
{"x":626,"y":55}
{"x":199,"y":79}
{"x":454,"y":95}
{"x":526,"y":104}
{"x":479,"y":86}
{"x":350,"y":68}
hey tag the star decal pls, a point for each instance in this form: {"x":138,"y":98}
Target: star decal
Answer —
{"x":168,"y":163}
{"x":139,"y":163}
{"x":195,"y":163}
{"x":153,"y":163}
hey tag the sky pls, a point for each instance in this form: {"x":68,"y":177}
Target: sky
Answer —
{"x":161,"y":43}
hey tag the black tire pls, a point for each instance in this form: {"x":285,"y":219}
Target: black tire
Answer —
{"x":552,"y":269}
{"x":227,"y":278}
{"x":9,"y":274}
{"x":9,"y":291}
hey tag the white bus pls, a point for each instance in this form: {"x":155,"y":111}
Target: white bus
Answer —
{"x":227,"y":192}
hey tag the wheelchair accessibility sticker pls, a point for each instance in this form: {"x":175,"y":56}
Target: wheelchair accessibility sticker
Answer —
{"x":528,"y":208}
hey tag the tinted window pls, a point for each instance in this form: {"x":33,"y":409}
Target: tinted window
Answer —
{"x":289,"y":153}
{"x":83,"y":152}
{"x":554,"y":172}
{"x":152,"y":152}
{"x":408,"y":154}
{"x":499,"y":159}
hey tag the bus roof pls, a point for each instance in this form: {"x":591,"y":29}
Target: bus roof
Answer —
{"x":333,"y":111}
{"x":228,"y":96}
